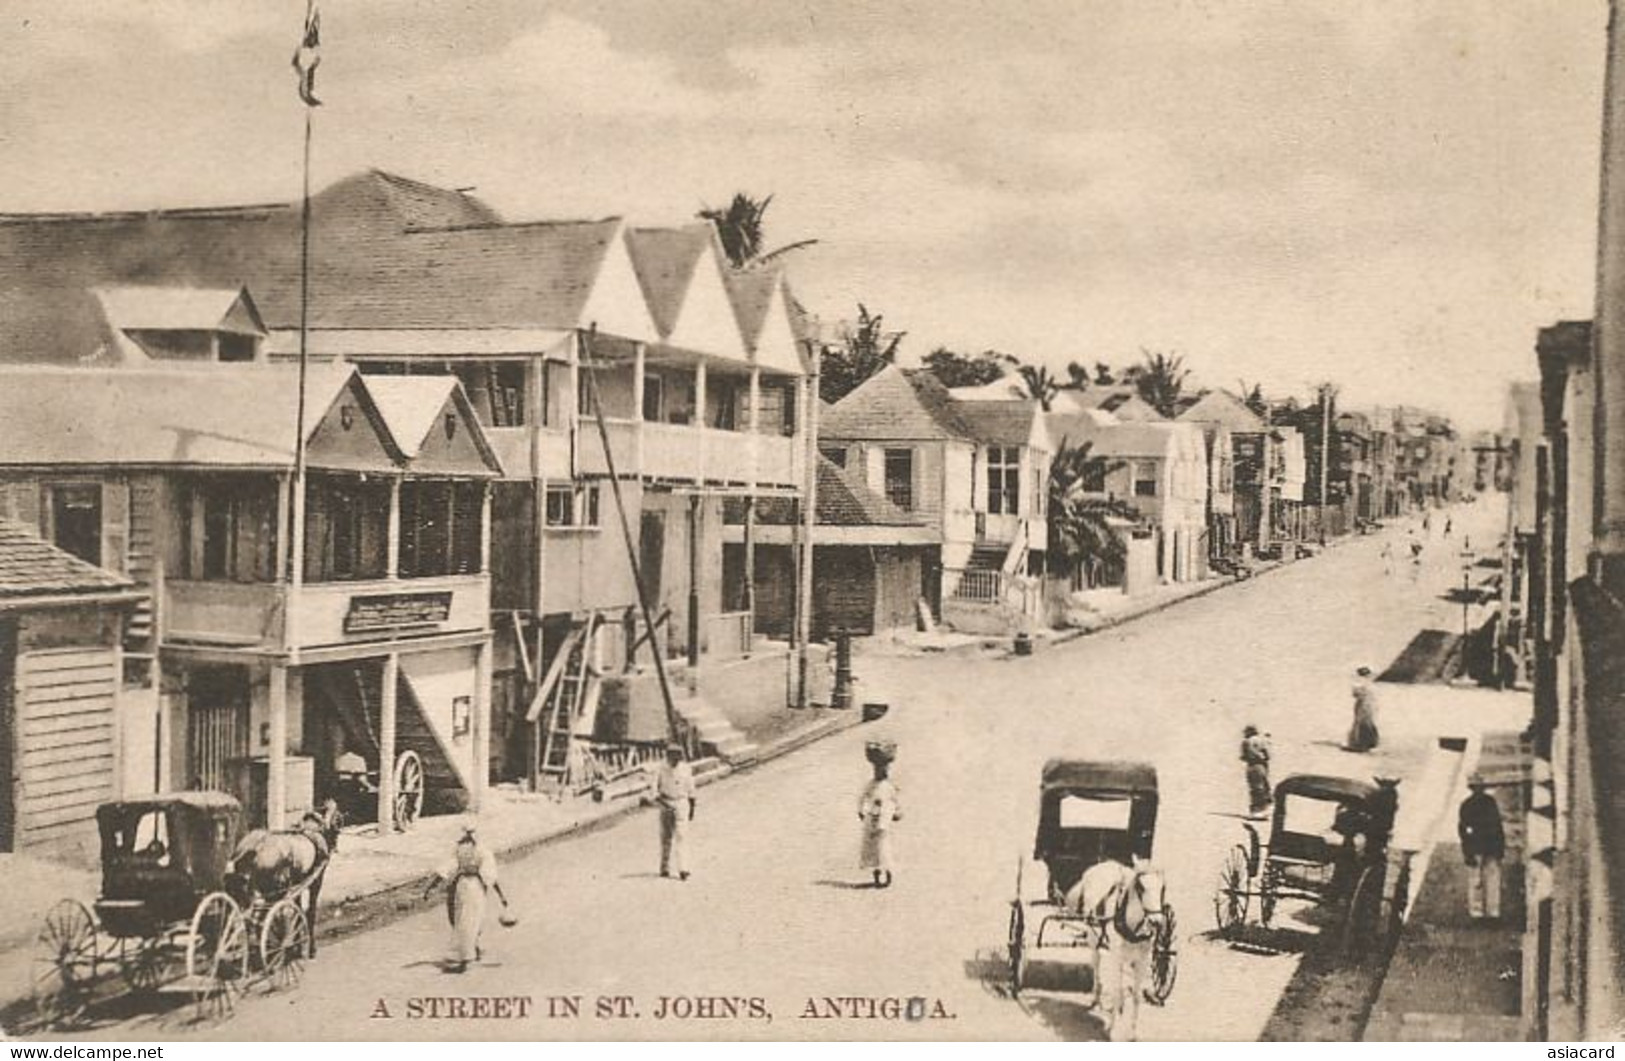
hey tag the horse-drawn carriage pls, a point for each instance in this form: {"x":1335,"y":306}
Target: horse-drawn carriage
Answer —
{"x":1090,"y":886}
{"x":1327,"y":845}
{"x":182,"y":908}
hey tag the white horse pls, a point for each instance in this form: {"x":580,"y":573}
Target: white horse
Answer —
{"x":1126,"y":905}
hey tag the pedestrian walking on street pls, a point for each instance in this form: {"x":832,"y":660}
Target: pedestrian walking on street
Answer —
{"x":1449,"y":523}
{"x":471,"y":873}
{"x":1483,"y":846}
{"x":1388,"y":558}
{"x":878,"y":809}
{"x":1363,"y":735}
{"x":1255,"y":755}
{"x":674,"y":791}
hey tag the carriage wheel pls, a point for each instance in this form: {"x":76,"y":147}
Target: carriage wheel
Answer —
{"x":1018,"y":946}
{"x":284,"y":938}
{"x":1231,"y":898}
{"x":217,"y":954}
{"x":408,"y":789}
{"x":65,"y":960}
{"x":1164,"y":960}
{"x":142,"y":963}
{"x":1361,"y":922}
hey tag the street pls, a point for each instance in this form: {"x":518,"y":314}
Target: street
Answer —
{"x":778,"y":912}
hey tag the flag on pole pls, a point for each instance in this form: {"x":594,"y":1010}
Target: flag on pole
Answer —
{"x":309,"y":55}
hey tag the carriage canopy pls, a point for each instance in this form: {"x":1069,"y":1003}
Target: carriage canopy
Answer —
{"x":166,"y":850}
{"x":1093,"y":811}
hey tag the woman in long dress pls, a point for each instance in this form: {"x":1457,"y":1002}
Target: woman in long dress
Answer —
{"x":878,"y":808}
{"x":470,"y":874}
{"x":1363,"y":732}
{"x":1255,"y":756}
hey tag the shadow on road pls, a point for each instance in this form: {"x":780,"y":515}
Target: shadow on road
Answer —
{"x":1431,"y":656}
{"x":848,"y":885}
{"x":1067,"y":1018}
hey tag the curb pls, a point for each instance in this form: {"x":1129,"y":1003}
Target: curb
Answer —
{"x":392,"y":901}
{"x":1120,"y":619}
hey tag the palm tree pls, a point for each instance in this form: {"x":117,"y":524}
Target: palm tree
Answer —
{"x":1253,"y":398}
{"x":1077,"y":376}
{"x":1039,"y":384}
{"x":864,"y":350}
{"x":1160,"y":379}
{"x":741,"y":230}
{"x":1081,"y":535}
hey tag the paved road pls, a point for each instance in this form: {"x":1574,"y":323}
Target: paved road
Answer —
{"x":774,"y":911}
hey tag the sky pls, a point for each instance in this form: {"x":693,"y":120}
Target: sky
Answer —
{"x":1390,"y":195}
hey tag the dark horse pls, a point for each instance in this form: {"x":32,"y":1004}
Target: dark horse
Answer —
{"x":269,"y":865}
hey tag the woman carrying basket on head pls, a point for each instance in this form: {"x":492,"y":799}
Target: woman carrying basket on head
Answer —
{"x":878,"y":808}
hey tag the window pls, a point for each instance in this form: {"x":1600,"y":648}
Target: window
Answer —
{"x":441,"y":527}
{"x":724,"y":400}
{"x":654,"y":397}
{"x":787,"y":408}
{"x":1145,"y":479}
{"x":836,"y":455}
{"x":76,"y":520}
{"x":573,"y":506}
{"x":497,"y":389}
{"x":1003,"y":480}
{"x":346,"y":529}
{"x":235,"y":347}
{"x":900,"y":478}
{"x":229,"y":529}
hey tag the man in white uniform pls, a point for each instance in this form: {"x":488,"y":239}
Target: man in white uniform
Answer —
{"x":674,"y":791}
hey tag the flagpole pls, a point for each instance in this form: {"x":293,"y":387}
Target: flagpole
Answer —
{"x":297,"y":532}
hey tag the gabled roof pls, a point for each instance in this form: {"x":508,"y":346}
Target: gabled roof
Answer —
{"x":844,"y":500}
{"x":1005,"y":388}
{"x":410,"y":405}
{"x":897,"y":405}
{"x":1135,"y":440}
{"x":1005,"y":422}
{"x":31,"y":566}
{"x":751,"y":291}
{"x":236,"y":416}
{"x":1223,"y":407}
{"x":179,"y":309}
{"x":665,"y":260}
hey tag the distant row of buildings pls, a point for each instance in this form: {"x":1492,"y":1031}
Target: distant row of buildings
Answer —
{"x":957,"y":484}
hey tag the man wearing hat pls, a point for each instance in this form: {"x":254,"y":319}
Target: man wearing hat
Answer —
{"x":1363,"y":733}
{"x":674,"y":791}
{"x":1483,"y":845}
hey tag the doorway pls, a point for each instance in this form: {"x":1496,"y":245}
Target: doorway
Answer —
{"x":216,"y":726}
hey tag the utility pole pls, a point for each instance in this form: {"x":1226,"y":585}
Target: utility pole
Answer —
{"x":809,"y":511}
{"x":1325,"y":452}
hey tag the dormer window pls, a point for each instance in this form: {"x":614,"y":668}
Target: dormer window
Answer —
{"x":183,"y":324}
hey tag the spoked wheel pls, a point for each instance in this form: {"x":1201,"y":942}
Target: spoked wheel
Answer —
{"x":1164,"y":960}
{"x":408,"y":789}
{"x":284,"y":938}
{"x":217,"y":954}
{"x":1362,"y":920}
{"x":1231,"y":897}
{"x":1018,"y":946}
{"x":64,"y":963}
{"x":143,"y":964}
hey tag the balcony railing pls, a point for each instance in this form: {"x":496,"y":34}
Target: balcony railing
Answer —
{"x":687,"y":453}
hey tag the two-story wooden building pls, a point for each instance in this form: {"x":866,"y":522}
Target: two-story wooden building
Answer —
{"x":306,"y":631}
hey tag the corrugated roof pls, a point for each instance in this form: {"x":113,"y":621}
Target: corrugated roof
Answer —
{"x":230,"y":416}
{"x":897,"y":404}
{"x":31,"y":566}
{"x":664,"y":260}
{"x":397,"y":342}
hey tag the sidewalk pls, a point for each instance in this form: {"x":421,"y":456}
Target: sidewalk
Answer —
{"x":1451,"y":980}
{"x":375,"y":878}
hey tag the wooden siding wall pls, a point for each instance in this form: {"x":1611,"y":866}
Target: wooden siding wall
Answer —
{"x":66,"y":700}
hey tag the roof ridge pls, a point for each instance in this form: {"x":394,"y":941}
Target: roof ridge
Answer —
{"x":179,"y":213}
{"x":418,"y":230}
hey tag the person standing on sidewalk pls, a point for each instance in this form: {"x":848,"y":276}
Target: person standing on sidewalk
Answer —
{"x":1363,"y":732}
{"x":1255,"y":757}
{"x":674,"y":791}
{"x":1483,"y":845}
{"x":878,"y":808}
